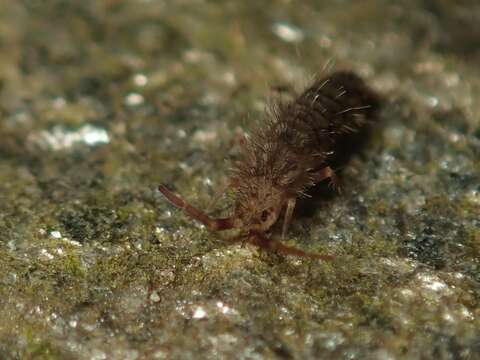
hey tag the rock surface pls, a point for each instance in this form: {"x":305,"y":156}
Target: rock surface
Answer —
{"x":100,"y":101}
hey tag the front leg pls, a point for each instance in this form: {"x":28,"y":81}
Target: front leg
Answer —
{"x":288,"y":215}
{"x":269,"y":244}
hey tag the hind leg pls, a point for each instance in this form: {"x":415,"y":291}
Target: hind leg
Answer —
{"x":328,"y":173}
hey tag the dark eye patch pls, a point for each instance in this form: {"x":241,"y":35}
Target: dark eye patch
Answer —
{"x":264,"y":215}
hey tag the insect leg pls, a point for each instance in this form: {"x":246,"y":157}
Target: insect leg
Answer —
{"x":271,"y":245}
{"x":193,"y":212}
{"x":327,"y":173}
{"x":288,"y":215}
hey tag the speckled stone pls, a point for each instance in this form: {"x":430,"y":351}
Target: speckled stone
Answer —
{"x":100,"y":101}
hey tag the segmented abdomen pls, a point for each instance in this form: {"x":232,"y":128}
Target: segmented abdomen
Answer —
{"x":302,"y":136}
{"x":338,"y":104}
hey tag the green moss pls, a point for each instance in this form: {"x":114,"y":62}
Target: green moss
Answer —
{"x":404,"y":282}
{"x":42,"y":351}
{"x":38,"y":347}
{"x":473,"y":240}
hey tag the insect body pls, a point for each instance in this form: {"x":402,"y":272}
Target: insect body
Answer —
{"x":290,"y":153}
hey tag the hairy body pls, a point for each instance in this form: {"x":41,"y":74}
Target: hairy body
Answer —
{"x":290,"y":153}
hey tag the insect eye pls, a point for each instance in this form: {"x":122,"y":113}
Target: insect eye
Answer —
{"x":264,"y":215}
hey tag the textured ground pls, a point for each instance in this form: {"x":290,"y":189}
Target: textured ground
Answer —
{"x":100,"y":101}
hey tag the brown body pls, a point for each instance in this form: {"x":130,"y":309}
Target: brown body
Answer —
{"x":291,"y":152}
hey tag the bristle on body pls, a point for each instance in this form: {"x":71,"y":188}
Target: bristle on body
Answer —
{"x":299,"y":137}
{"x":291,"y":151}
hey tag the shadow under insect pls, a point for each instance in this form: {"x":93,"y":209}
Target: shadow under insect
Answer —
{"x":347,"y":146}
{"x":299,"y":145}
